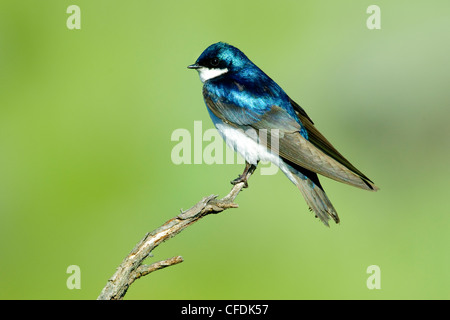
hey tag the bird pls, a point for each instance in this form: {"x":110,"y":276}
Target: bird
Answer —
{"x":244,"y":102}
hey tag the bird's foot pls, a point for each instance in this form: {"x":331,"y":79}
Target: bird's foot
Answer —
{"x":248,"y":171}
{"x":241,"y":178}
{"x":249,"y":168}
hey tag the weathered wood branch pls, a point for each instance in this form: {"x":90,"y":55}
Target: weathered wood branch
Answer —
{"x":131,"y":267}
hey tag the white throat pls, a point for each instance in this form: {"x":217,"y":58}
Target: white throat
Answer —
{"x":206,"y":73}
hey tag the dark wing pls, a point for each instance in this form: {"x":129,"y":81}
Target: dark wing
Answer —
{"x":297,"y":150}
{"x":318,"y":140}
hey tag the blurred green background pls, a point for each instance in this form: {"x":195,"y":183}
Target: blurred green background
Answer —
{"x":86,"y":118}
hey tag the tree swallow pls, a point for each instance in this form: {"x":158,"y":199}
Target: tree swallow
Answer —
{"x":241,"y":100}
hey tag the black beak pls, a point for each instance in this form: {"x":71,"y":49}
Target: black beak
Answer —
{"x":194,"y":66}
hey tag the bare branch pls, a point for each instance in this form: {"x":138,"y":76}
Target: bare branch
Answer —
{"x":131,"y":267}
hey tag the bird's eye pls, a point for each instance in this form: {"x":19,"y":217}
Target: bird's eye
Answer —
{"x":214,"y":62}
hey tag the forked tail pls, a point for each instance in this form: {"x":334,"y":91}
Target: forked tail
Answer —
{"x":317,"y":200}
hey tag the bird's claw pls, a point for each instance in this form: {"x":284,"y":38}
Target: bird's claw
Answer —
{"x":241,"y":178}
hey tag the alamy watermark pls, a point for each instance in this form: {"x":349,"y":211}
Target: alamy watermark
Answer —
{"x":73,"y":21}
{"x":374,"y":280}
{"x":208,"y":147}
{"x":374,"y":20}
{"x":74,"y":280}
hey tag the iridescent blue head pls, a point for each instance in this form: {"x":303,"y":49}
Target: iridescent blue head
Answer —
{"x":218,"y":59}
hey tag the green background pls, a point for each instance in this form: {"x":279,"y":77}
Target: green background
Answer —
{"x":86,"y":118}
